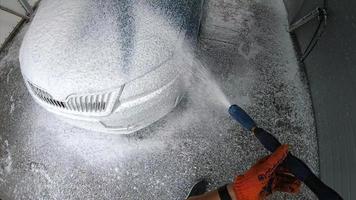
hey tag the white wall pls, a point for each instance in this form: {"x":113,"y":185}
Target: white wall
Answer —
{"x":9,"y":21}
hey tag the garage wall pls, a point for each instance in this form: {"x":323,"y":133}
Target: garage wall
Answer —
{"x":293,"y":7}
{"x":8,"y":22}
{"x":331,"y":71}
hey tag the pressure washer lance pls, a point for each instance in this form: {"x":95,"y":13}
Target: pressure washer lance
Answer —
{"x":297,"y":167}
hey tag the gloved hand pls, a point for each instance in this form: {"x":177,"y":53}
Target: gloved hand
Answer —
{"x":284,"y":181}
{"x":265,"y":177}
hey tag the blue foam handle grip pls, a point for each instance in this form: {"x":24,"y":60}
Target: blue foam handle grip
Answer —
{"x":242,"y":117}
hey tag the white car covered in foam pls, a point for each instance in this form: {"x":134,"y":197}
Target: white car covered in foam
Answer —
{"x":108,"y":65}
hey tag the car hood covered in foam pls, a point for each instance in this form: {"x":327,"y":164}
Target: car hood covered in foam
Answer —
{"x":90,"y":45}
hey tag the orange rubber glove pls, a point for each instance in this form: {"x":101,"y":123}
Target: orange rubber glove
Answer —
{"x":284,"y":181}
{"x":265,"y":177}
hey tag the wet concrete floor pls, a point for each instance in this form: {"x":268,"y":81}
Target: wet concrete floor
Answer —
{"x":248,"y":49}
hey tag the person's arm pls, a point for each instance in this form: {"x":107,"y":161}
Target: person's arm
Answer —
{"x":214,"y":195}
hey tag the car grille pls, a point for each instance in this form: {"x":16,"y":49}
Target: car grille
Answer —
{"x":86,"y":103}
{"x":89,"y":103}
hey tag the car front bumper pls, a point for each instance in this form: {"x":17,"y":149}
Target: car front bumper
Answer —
{"x":125,"y":116}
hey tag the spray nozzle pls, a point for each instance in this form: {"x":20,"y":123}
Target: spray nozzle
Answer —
{"x":242,"y":117}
